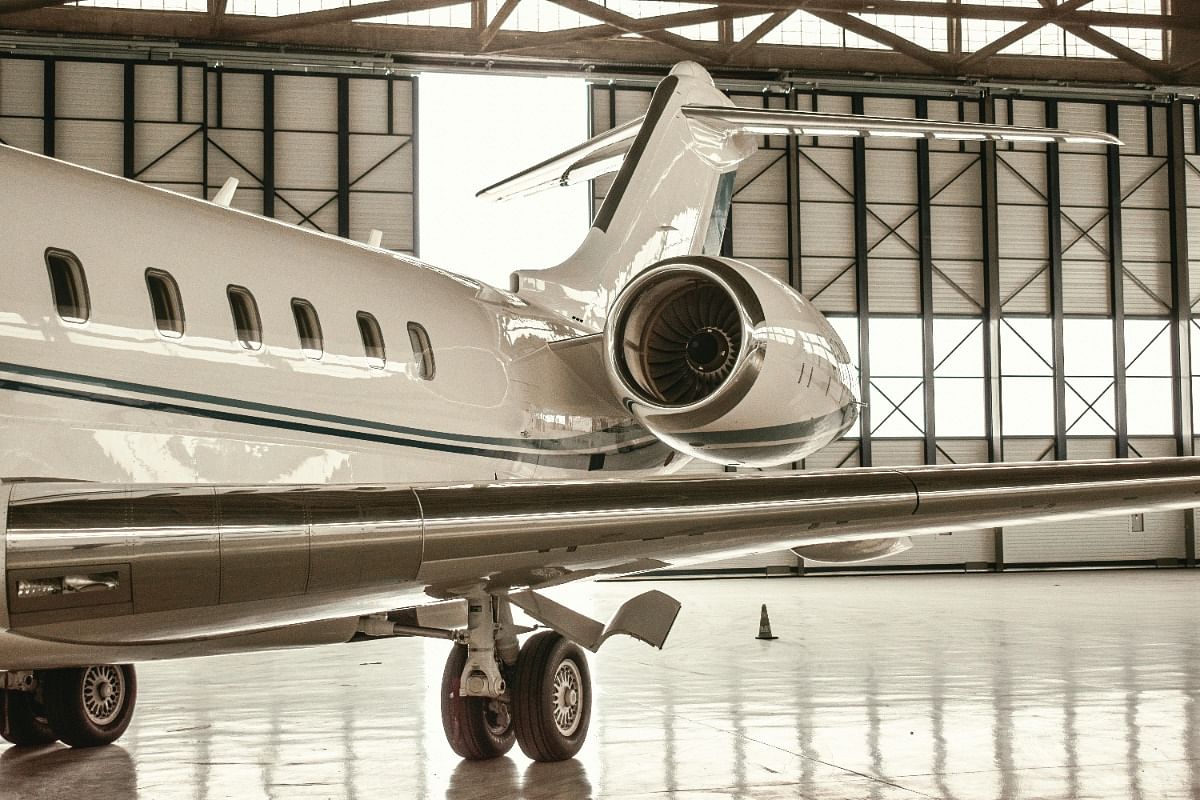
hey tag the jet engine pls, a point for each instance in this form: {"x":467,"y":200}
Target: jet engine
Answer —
{"x":725,"y":363}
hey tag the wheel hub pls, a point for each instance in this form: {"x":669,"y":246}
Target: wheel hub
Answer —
{"x":568,"y":691}
{"x":103,"y":693}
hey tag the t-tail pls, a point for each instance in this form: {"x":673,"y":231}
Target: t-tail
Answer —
{"x":675,"y":180}
{"x":713,"y":356}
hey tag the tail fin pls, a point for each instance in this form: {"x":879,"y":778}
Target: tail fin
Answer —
{"x":672,"y":193}
{"x":670,"y":198}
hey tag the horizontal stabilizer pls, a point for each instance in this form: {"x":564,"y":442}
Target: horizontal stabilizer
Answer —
{"x":603,"y":154}
{"x":648,"y":617}
{"x":811,"y":123}
{"x":595,"y":157}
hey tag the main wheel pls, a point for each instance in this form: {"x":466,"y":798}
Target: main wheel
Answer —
{"x":90,"y":706}
{"x":552,"y":698}
{"x":476,"y":727}
{"x":23,"y":720}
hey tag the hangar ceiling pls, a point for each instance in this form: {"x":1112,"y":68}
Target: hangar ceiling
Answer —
{"x":1140,"y":42}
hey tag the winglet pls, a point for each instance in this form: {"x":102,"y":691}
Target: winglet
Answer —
{"x":225,"y":196}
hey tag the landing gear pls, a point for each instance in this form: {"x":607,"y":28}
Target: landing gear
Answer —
{"x":476,"y":727}
{"x":89,"y":706}
{"x":82,"y":706}
{"x":552,"y":698}
{"x":23,"y":720}
{"x":496,"y":692}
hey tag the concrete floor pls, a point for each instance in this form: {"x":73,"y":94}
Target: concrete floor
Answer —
{"x":1071,"y":685}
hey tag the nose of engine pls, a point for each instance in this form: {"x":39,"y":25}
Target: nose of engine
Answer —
{"x":727,"y":364}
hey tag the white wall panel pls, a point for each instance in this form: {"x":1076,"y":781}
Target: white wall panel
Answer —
{"x":175,"y":152}
{"x":98,"y":145}
{"x":390,"y":213}
{"x":305,"y":103}
{"x":23,"y":133}
{"x":21,"y":90}
{"x":156,"y":93}
{"x":89,"y":90}
{"x":381,"y":163}
{"x":306,"y":160}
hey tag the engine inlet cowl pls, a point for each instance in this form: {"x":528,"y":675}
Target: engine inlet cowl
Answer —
{"x":681,"y":341}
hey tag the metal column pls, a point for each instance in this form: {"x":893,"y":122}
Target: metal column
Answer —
{"x":1116,"y":279}
{"x":990,"y":206}
{"x":861,"y":290}
{"x":925,"y":255}
{"x":1181,"y":310}
{"x":1055,"y":246}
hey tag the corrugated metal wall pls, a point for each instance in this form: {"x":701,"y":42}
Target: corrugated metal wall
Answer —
{"x":331,"y":152}
{"x":1081,"y":329}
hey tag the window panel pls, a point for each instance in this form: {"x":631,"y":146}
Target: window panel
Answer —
{"x":372,"y":339}
{"x":1028,"y":406}
{"x":308,"y":328}
{"x":247,"y":324}
{"x":68,"y":286}
{"x":165,"y":302}
{"x":958,"y":407}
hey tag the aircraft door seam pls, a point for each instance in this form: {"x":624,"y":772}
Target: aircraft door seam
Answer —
{"x":421,"y":516}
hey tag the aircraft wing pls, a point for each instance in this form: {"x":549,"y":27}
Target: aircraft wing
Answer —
{"x":132,"y":564}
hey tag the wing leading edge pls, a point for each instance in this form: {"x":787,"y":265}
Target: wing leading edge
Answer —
{"x":153,"y":564}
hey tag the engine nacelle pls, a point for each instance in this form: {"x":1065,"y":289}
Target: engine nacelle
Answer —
{"x":725,"y":363}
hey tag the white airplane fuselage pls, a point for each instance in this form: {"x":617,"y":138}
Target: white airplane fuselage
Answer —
{"x":113,"y":399}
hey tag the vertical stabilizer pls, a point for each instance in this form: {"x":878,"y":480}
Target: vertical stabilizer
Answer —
{"x":670,"y":198}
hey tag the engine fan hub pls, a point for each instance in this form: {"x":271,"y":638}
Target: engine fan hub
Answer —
{"x":708,"y":350}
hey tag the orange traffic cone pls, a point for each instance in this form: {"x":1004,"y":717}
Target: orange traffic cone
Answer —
{"x":764,"y":625}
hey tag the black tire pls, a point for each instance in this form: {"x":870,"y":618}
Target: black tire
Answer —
{"x":477,"y":728}
{"x":23,"y":720}
{"x":90,"y":706}
{"x":551,"y":722}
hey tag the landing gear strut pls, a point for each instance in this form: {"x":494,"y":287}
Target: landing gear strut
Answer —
{"x":495,"y":694}
{"x":82,"y":706}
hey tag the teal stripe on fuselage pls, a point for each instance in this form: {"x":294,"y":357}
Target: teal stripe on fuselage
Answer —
{"x":563,"y":461}
{"x":610,"y":441}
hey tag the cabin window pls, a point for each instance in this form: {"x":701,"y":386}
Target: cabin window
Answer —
{"x":308,"y":328}
{"x":372,"y":339}
{"x":247,"y":324}
{"x":165,"y":302}
{"x":422,"y":350}
{"x":68,"y":285}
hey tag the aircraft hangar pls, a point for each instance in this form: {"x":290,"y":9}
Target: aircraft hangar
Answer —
{"x":1013,"y":300}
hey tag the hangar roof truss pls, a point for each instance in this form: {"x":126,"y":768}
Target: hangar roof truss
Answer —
{"x":1155,"y":42}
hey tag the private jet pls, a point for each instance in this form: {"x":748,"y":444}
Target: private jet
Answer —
{"x":220,"y":433}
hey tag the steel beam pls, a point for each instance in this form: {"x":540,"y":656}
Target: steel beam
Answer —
{"x":793,"y":200}
{"x":343,"y":155}
{"x":862,"y":290}
{"x":268,"y":144}
{"x":1055,"y":248}
{"x":48,"y":107}
{"x":129,"y":168}
{"x":1116,"y":280}
{"x":925,"y":257}
{"x":990,"y":251}
{"x":1181,"y":305}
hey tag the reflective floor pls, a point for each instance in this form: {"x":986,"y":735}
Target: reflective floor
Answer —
{"x":1071,"y":685}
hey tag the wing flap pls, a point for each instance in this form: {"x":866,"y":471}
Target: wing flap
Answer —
{"x":810,"y":123}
